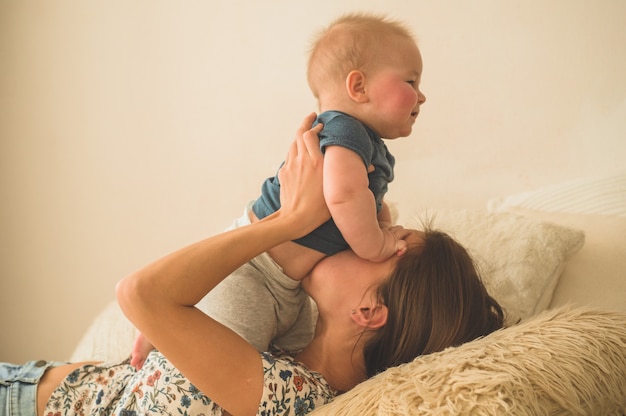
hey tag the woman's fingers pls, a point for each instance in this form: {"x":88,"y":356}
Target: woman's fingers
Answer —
{"x":312,"y":141}
{"x":307,"y":139}
{"x":301,"y":177}
{"x":306,"y":124}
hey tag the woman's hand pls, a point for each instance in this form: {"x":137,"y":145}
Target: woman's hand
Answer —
{"x":301,"y":193}
{"x":159,"y":299}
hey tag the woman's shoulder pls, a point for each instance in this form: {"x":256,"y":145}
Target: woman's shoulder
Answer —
{"x":288,"y":382}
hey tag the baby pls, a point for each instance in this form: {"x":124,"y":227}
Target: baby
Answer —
{"x":365,"y":72}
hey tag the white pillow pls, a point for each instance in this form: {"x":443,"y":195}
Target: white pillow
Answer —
{"x":520,"y":258}
{"x":605,"y":195}
{"x":561,"y":362}
{"x":109,"y":338}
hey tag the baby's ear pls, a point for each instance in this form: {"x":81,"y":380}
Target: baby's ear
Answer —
{"x":355,"y":86}
{"x":371,"y":318}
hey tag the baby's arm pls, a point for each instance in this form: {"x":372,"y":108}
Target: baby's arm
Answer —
{"x":353,"y":207}
{"x":141,"y":349}
{"x":384,"y":217}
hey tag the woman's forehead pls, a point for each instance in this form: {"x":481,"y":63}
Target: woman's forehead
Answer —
{"x":415,"y":238}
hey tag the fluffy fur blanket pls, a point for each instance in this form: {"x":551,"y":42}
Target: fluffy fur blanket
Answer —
{"x":561,"y":362}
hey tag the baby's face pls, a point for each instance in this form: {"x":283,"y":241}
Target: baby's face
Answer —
{"x":392,"y":89}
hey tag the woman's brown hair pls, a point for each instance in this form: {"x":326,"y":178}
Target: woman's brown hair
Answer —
{"x":436,"y":300}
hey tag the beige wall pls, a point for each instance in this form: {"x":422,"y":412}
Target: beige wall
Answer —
{"x":130,"y":128}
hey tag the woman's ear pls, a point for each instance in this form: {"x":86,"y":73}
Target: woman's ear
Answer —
{"x":355,"y":86}
{"x":372,"y":318}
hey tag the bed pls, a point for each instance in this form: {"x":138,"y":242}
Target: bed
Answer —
{"x":555,"y":258}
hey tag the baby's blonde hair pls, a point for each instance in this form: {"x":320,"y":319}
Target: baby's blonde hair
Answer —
{"x":349,"y":43}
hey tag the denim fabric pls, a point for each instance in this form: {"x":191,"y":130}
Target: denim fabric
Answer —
{"x":18,"y":387}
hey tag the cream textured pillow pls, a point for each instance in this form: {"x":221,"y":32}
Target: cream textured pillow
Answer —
{"x":520,"y":258}
{"x":561,"y":362}
{"x":596,"y":275}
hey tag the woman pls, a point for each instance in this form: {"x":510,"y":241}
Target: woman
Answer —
{"x":371,"y":316}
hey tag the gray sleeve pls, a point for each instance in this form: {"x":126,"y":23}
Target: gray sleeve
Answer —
{"x":244,"y":304}
{"x":302,"y":330}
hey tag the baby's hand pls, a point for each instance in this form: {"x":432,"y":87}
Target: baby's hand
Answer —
{"x":398,"y":234}
{"x":141,"y":349}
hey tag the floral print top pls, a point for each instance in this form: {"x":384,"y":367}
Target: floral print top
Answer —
{"x":159,"y":388}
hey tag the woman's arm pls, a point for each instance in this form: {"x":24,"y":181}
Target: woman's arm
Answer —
{"x":159,"y":299}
